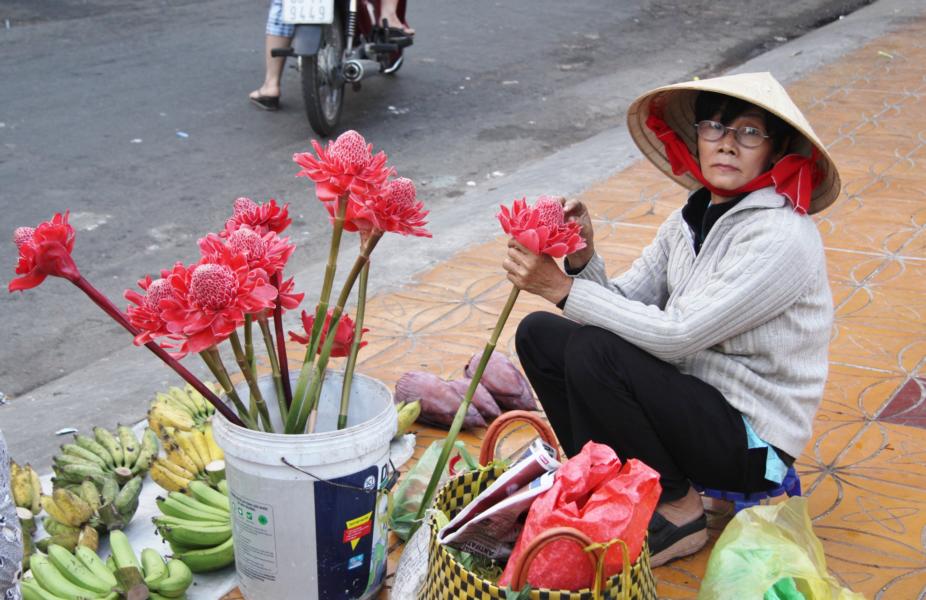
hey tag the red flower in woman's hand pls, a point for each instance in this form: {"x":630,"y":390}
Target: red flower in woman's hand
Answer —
{"x":211,"y":298}
{"x":343,"y":337}
{"x":268,"y":252}
{"x":43,"y":251}
{"x":346,"y":165}
{"x":259,"y":217}
{"x":541,"y":228}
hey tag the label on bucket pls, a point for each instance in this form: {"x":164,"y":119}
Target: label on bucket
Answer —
{"x":344,"y":528}
{"x":256,"y":553}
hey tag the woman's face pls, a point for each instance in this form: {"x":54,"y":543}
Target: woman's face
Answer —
{"x":728,"y":165}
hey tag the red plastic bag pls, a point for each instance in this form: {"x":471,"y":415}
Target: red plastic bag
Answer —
{"x":597,"y":495}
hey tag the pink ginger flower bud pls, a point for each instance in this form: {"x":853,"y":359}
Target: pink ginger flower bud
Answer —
{"x":243,"y":206}
{"x":352,"y":150}
{"x":23,"y":236}
{"x":213,"y":286}
{"x":159,"y":289}
{"x":247,"y":242}
{"x":550,"y":211}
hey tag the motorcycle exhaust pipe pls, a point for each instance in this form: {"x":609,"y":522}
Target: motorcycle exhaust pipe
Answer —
{"x":357,"y":69}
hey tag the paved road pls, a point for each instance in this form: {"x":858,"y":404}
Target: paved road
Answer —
{"x":94,"y":95}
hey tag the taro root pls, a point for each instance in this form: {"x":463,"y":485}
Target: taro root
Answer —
{"x":439,"y":399}
{"x":504,"y":381}
{"x":482,"y":399}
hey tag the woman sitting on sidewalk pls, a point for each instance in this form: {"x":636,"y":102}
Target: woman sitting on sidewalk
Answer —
{"x":707,"y":358}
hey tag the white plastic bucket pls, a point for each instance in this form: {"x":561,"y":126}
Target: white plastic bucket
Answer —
{"x":314,"y":528}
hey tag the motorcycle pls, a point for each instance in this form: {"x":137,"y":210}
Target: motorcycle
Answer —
{"x":339,"y":42}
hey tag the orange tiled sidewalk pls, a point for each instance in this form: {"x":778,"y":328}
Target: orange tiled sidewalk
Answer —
{"x":865,"y":469}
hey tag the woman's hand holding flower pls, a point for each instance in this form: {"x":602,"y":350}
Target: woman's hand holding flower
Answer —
{"x":536,"y":273}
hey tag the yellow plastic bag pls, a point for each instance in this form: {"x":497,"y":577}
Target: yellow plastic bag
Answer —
{"x":764,"y":544}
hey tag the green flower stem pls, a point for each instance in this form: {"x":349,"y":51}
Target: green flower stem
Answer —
{"x":214,"y":361}
{"x":249,"y":343}
{"x":299,"y":396}
{"x":318,"y":376}
{"x":256,"y":397}
{"x":274,"y":366}
{"x":354,"y":347}
{"x":464,"y":406}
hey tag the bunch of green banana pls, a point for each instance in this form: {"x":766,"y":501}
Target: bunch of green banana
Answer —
{"x":76,"y":512}
{"x":26,"y":487}
{"x":408,"y":414}
{"x":198,"y":527}
{"x":163,"y":579}
{"x":189,"y":455}
{"x":119,"y":456}
{"x":180,"y":408}
{"x":61,"y":574}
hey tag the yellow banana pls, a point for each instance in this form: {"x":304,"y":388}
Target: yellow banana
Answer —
{"x":202,"y":448}
{"x":21,"y":484}
{"x":77,"y":510}
{"x":175,"y":454}
{"x":56,"y":513}
{"x":36,"y":490}
{"x":176,"y":469}
{"x":168,"y":480}
{"x":184,"y":400}
{"x":185,"y":441}
{"x":215,"y":453}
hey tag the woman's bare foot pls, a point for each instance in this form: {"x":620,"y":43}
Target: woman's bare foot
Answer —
{"x":266,"y":97}
{"x":265,"y":91}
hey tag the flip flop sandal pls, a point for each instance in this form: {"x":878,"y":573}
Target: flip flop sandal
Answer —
{"x":265,"y":102}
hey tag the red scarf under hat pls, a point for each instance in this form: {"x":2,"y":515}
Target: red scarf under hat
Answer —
{"x":794,"y":176}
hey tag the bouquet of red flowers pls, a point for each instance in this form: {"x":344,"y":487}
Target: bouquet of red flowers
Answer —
{"x":238,"y":282}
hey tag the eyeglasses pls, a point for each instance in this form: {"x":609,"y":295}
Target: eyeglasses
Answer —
{"x":748,"y":137}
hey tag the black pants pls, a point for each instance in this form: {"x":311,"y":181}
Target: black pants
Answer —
{"x":595,"y":386}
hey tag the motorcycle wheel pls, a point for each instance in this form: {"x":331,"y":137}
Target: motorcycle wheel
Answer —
{"x":322,"y":91}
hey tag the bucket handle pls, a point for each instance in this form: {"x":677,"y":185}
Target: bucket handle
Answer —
{"x":387,"y":483}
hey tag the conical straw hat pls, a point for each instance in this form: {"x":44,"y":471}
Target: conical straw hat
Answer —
{"x":763,"y":90}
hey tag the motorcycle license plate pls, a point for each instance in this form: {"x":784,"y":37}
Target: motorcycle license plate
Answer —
{"x":308,"y":11}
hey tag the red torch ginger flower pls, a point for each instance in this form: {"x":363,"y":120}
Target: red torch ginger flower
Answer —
{"x":343,"y":337}
{"x":43,"y":251}
{"x":259,"y":217}
{"x":267,"y":252}
{"x":146,"y":314}
{"x":211,"y":298}
{"x":346,"y":165}
{"x":393,"y":209}
{"x":541,"y":228}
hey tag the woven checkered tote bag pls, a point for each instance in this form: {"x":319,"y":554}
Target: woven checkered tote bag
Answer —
{"x":449,"y":580}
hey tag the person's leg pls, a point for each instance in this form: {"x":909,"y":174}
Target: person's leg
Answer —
{"x":539,"y":341}
{"x":278,"y":35}
{"x":645,"y":408}
{"x":387,"y":10}
{"x":273,"y":71}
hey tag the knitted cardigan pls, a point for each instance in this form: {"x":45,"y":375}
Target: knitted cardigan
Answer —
{"x":750,"y":314}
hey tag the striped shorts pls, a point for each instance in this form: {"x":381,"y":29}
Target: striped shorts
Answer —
{"x":275,"y":24}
